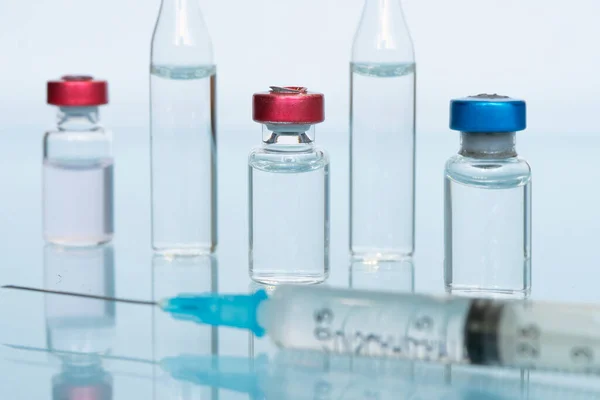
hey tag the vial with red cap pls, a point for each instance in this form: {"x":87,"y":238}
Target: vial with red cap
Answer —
{"x":288,"y":190}
{"x":78,"y":165}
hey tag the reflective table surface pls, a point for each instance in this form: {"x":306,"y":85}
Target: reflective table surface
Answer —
{"x":56,"y":347}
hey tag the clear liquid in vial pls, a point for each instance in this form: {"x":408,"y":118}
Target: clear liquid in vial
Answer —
{"x":382,"y":161}
{"x":78,"y":202}
{"x":289,"y":221}
{"x":488,"y":236}
{"x":183,"y":139}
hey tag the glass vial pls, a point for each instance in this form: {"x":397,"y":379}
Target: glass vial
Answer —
{"x":382,"y":135}
{"x":183,"y":132}
{"x":288,"y":190}
{"x":487,"y":201}
{"x":78,"y":166}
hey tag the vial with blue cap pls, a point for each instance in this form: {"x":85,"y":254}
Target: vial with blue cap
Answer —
{"x":487,"y":199}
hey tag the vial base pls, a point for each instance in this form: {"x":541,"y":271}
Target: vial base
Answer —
{"x":494,"y":293}
{"x":183,"y":250}
{"x":279,"y":278}
{"x":375,"y":256}
{"x":78,"y":241}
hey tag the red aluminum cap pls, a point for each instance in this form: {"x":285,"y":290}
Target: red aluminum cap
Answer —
{"x":77,"y":90}
{"x":288,"y":104}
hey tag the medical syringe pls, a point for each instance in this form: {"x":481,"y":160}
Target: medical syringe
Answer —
{"x":411,"y":326}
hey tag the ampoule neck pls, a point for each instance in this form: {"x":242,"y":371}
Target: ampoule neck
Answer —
{"x":383,"y":6}
{"x":182,"y":13}
{"x":382,"y":35}
{"x":185,"y":5}
{"x":78,"y":118}
{"x":288,"y":137}
{"x":488,"y":145}
{"x":181,"y":37}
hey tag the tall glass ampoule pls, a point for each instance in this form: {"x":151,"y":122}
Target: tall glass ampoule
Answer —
{"x":382,"y":135}
{"x":183,"y":132}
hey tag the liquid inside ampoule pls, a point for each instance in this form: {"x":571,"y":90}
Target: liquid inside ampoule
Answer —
{"x":382,"y":160}
{"x":183,"y":158}
{"x":78,"y":201}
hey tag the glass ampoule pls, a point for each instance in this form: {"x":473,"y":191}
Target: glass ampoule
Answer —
{"x":382,"y":135}
{"x":487,"y":201}
{"x":78,"y":166}
{"x":183,"y":132}
{"x":288,"y":190}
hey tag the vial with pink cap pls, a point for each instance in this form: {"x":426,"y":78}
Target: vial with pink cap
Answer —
{"x":288,"y":190}
{"x":78,"y":166}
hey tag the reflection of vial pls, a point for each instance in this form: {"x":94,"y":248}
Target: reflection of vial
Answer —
{"x":172,"y":276}
{"x":78,"y":166}
{"x":183,"y":132}
{"x":289,"y":190}
{"x":77,"y":325}
{"x":488,"y":200}
{"x":82,"y":382}
{"x":382,"y":135}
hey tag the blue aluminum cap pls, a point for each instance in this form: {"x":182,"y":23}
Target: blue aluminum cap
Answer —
{"x":487,"y":113}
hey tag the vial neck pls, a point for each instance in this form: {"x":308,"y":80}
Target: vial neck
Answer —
{"x":288,"y":137}
{"x":496,"y":145}
{"x":78,"y":118}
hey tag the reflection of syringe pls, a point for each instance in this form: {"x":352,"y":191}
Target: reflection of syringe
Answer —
{"x":443,"y":329}
{"x":292,"y":374}
{"x":310,"y":375}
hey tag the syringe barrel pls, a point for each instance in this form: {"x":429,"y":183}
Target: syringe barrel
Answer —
{"x":549,"y":336}
{"x":519,"y":334}
{"x":367,"y":323}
